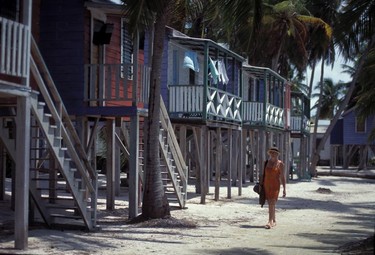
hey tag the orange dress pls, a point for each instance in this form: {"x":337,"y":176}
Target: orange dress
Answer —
{"x":272,"y":181}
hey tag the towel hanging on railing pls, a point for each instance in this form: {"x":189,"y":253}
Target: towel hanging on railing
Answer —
{"x":213,"y":71}
{"x":191,"y":61}
{"x":223,"y":77}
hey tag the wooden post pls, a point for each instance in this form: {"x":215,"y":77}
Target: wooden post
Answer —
{"x":219,"y":152}
{"x":182,"y":141}
{"x":198,"y":163}
{"x":344,"y":157}
{"x":262,"y":151}
{"x":117,"y":166}
{"x":240,"y":161}
{"x":110,"y":165}
{"x":134,"y":166}
{"x":203,"y":163}
{"x":230,"y":163}
{"x":2,"y":171}
{"x":21,"y":213}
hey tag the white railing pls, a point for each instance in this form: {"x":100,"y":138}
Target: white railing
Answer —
{"x":187,"y":101}
{"x":300,"y":124}
{"x":274,"y":116}
{"x":252,"y":113}
{"x":14,"y":48}
{"x":223,"y":105}
{"x":115,"y":82}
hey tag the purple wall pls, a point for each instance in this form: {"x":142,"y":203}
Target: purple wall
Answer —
{"x":62,"y":47}
{"x":350,"y":134}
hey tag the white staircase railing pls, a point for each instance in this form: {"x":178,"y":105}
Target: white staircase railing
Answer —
{"x":176,"y":165}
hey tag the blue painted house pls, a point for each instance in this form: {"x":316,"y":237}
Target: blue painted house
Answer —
{"x":201,"y":87}
{"x":265,"y":116}
{"x":350,"y":142}
{"x":68,"y":69}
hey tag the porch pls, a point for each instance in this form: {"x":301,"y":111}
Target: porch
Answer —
{"x":194,"y":102}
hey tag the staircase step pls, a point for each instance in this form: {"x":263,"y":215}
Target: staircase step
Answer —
{"x":75,"y":217}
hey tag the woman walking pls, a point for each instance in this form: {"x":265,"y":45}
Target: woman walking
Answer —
{"x":273,"y":174}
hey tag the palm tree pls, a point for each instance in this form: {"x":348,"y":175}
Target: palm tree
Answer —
{"x":331,"y":98}
{"x":355,"y":35}
{"x":152,"y":14}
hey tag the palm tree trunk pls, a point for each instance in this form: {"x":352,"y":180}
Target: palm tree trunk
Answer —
{"x":155,"y":203}
{"x":312,"y":78}
{"x":343,"y":104}
{"x":313,"y":146}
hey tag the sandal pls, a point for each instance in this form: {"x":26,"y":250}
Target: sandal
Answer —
{"x":268,"y":226}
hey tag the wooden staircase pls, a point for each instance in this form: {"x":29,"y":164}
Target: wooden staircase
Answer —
{"x":174,"y":169}
{"x":63,"y":184}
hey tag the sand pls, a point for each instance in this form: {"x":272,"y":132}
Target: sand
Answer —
{"x":325,"y":215}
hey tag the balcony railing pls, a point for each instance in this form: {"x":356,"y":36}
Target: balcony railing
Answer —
{"x":300,"y":124}
{"x":14,"y":48}
{"x":115,"y":83}
{"x":253,"y":114}
{"x":187,"y":101}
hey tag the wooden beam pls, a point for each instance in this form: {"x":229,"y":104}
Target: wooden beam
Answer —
{"x":230,"y":163}
{"x":134,"y":167}
{"x":110,"y":165}
{"x":218,"y":160}
{"x":2,"y":171}
{"x":21,"y":213}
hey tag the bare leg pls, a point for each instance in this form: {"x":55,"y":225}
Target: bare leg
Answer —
{"x":271,"y":213}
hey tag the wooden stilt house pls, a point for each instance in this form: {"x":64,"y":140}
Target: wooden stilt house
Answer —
{"x":265,"y":112}
{"x":201,"y":87}
{"x":350,"y":144}
{"x":72,"y":71}
{"x":300,"y":133}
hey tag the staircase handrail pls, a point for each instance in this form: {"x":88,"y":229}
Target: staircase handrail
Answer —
{"x":77,"y":146}
{"x":172,"y":142}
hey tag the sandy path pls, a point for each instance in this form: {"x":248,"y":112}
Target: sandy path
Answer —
{"x":309,"y":222}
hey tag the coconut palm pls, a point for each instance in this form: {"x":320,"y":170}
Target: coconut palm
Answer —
{"x":152,"y":14}
{"x":331,"y":99}
{"x":354,"y":34}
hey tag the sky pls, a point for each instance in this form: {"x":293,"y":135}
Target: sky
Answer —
{"x":334,"y":73}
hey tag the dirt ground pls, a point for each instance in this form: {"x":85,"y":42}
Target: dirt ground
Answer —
{"x":326,"y":215}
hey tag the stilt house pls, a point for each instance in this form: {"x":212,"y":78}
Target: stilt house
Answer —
{"x":300,"y":132}
{"x":87,"y":72}
{"x":350,"y":144}
{"x":265,"y":116}
{"x":201,"y":87}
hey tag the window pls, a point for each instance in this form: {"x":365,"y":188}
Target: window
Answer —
{"x":360,"y":125}
{"x":126,"y":51}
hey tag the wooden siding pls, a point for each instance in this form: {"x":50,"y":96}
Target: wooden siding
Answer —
{"x":349,"y":133}
{"x":62,"y":46}
{"x":336,"y":136}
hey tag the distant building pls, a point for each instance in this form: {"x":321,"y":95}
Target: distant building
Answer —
{"x":325,"y":153}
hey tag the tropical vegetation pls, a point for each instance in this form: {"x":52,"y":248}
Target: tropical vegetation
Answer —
{"x":286,"y":36}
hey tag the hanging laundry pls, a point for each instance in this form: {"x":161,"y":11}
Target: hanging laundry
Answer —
{"x":222,"y":72}
{"x":214,"y":72}
{"x":191,"y":61}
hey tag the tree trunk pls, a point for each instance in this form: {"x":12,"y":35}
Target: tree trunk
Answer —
{"x":155,"y":203}
{"x":343,"y":104}
{"x":313,"y":146}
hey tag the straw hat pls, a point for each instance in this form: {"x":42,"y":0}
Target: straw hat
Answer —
{"x":274,"y":149}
